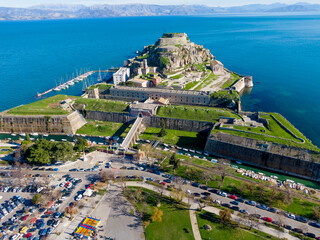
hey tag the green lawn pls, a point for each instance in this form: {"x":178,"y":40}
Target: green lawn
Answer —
{"x":190,"y":85}
{"x":179,"y":138}
{"x":102,"y":105}
{"x":194,"y":113}
{"x":226,"y":232}
{"x":176,"y":76}
{"x":233,"y":78}
{"x":205,"y":82}
{"x":100,"y":86}
{"x":175,"y":222}
{"x":47,"y":106}
{"x":99,"y":128}
{"x":225,"y":94}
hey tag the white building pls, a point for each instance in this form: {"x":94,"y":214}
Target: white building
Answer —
{"x":122,"y":75}
{"x":216,"y":66}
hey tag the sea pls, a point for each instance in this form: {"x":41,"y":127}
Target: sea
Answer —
{"x":282,"y":53}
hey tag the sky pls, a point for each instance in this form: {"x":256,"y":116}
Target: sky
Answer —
{"x":214,"y":3}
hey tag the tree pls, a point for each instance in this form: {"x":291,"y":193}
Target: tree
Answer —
{"x":81,"y":144}
{"x":225,"y":215}
{"x":27,"y":137}
{"x":163,"y":131}
{"x":174,"y":161}
{"x":35,"y":200}
{"x":157,"y":215}
{"x":316,"y":212}
{"x":206,"y":176}
{"x":106,"y":175}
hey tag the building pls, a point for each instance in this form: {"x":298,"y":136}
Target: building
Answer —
{"x":137,"y":82}
{"x":216,"y":66}
{"x":121,"y":75}
{"x":143,"y":109}
{"x":174,"y":96}
{"x":156,"y":80}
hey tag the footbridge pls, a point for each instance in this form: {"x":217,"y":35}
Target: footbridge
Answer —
{"x":133,"y":133}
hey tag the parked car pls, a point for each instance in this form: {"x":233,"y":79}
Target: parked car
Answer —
{"x":235,"y":203}
{"x":234,"y":197}
{"x":267,"y":219}
{"x":195,"y":184}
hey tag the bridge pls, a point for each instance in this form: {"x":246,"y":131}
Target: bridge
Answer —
{"x":133,"y":133}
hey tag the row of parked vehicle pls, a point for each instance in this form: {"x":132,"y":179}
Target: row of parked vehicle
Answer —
{"x":236,"y":200}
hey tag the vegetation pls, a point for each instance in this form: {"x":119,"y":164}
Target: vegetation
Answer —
{"x":233,"y":78}
{"x":205,"y":82}
{"x":99,"y":128}
{"x":48,"y":106}
{"x":164,"y":62}
{"x":177,"y":76}
{"x":225,"y":95}
{"x":200,"y":66}
{"x":102,"y":86}
{"x":220,"y":231}
{"x":162,"y":217}
{"x":179,"y":138}
{"x":143,"y":56}
{"x":44,"y":151}
{"x":195,"y":113}
{"x":101,"y":105}
{"x":190,"y":85}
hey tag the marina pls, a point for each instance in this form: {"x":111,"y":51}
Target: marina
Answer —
{"x":71,"y":82}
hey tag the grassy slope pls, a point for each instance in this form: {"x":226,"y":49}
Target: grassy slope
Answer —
{"x":194,"y":113}
{"x":185,"y":139}
{"x":102,"y":105}
{"x":48,"y":106}
{"x":94,"y":128}
{"x":101,"y":86}
{"x":190,"y":85}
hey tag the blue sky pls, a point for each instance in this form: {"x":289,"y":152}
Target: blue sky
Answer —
{"x":27,"y":3}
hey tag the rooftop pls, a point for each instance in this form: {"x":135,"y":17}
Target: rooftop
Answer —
{"x":161,"y":90}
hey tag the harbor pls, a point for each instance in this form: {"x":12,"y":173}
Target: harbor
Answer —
{"x":80,"y":78}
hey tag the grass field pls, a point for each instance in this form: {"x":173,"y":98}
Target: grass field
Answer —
{"x":194,"y":113}
{"x":102,"y":105}
{"x":225,"y":232}
{"x":99,"y":128}
{"x":205,"y":82}
{"x":275,"y":134}
{"x":47,"y":106}
{"x":233,"y":78}
{"x":100,"y":86}
{"x":225,"y":94}
{"x":175,"y":222}
{"x":179,"y":138}
{"x":190,"y":85}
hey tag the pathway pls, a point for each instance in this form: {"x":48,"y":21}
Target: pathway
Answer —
{"x":194,"y":224}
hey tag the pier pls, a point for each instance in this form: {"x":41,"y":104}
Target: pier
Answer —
{"x":73,"y":81}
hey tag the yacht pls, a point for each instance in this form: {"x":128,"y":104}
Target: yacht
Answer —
{"x":57,"y":89}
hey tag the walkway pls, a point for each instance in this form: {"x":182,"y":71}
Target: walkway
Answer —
{"x":131,"y":134}
{"x":194,"y":224}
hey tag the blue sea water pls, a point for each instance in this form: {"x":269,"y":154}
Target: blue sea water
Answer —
{"x":282,"y":53}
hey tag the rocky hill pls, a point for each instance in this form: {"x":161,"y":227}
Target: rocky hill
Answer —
{"x":175,"y":51}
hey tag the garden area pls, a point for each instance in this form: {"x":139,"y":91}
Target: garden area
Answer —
{"x":206,"y":81}
{"x":162,"y":217}
{"x":232,"y":80}
{"x":102,"y":86}
{"x":194,"y":113}
{"x":47,"y":106}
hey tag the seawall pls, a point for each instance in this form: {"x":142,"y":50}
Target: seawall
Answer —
{"x":65,"y":124}
{"x":270,"y":156}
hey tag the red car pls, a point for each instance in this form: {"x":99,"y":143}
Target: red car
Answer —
{"x":163,"y":183}
{"x":25,"y":217}
{"x":90,"y":185}
{"x":67,"y":184}
{"x":28,"y":235}
{"x":234,"y":197}
{"x":47,"y":213}
{"x":267,"y":219}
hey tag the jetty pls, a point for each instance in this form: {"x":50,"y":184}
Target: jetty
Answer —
{"x":73,"y":81}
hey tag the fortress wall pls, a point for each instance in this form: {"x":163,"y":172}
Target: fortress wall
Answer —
{"x":67,"y":124}
{"x":153,"y":121}
{"x":264,"y":159}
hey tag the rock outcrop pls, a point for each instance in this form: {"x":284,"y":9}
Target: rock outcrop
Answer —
{"x":174,"y":51}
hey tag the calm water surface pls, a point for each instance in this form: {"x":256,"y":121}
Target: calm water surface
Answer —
{"x":282,"y":53}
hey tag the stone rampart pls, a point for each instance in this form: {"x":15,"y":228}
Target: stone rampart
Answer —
{"x":275,"y":157}
{"x":67,"y":124}
{"x":153,"y":121}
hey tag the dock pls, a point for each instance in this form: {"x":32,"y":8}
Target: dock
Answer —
{"x":72,"y":82}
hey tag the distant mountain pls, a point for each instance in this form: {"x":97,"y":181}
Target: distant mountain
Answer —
{"x":61,"y":11}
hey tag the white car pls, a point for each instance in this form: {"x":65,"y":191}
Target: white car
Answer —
{"x":188,"y":191}
{"x":78,"y":197}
